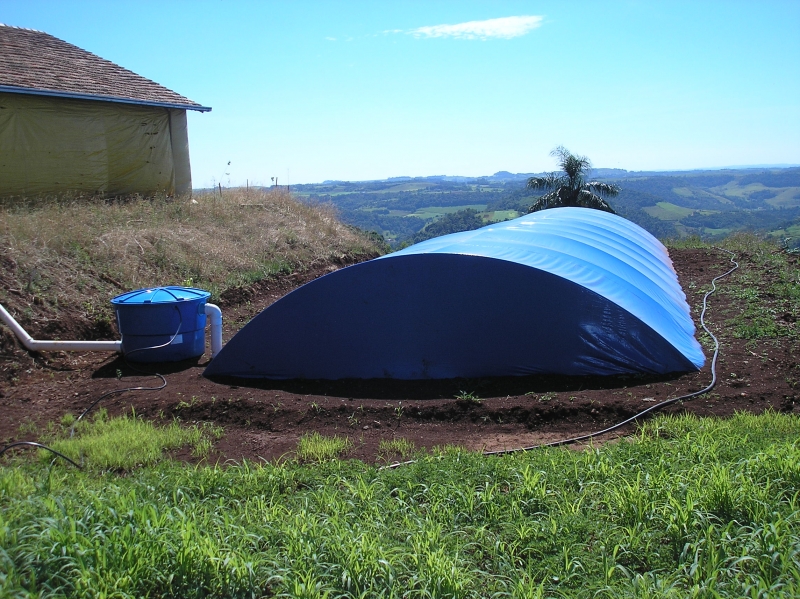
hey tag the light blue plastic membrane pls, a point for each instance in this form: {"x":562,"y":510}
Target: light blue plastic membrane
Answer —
{"x":563,"y":291}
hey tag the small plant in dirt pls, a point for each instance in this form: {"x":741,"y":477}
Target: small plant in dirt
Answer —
{"x":202,"y":448}
{"x":316,"y":448}
{"x":182,"y":405}
{"x":388,"y":448}
{"x":468,"y":396}
{"x":28,"y":427}
{"x":544,"y":397}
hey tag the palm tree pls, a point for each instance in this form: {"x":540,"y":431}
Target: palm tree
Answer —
{"x":571,"y":188}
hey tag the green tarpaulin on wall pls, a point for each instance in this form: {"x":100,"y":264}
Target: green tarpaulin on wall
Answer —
{"x":51,"y":145}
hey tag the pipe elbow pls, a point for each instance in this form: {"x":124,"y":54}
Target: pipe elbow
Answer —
{"x":32,"y":344}
{"x":214,"y":314}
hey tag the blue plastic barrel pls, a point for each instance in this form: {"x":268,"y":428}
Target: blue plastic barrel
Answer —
{"x":162,"y":324}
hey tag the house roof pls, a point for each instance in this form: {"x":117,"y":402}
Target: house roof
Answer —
{"x":34,"y":62}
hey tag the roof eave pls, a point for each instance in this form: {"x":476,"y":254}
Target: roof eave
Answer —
{"x":120,"y":100}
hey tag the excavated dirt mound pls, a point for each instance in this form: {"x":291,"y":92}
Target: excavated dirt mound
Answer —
{"x":264,"y":419}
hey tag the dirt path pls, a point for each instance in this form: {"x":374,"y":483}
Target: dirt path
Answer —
{"x":265,"y":419}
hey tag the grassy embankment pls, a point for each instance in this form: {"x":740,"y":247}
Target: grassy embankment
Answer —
{"x":61,"y":261}
{"x":57,"y":249}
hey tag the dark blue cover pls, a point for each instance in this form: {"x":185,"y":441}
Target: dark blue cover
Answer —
{"x":567,"y":291}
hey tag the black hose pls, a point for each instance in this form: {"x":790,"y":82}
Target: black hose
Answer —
{"x":117,"y":391}
{"x":39,"y":445}
{"x":105,"y":395}
{"x":649,"y":410}
{"x":128,"y":364}
{"x":657,"y":406}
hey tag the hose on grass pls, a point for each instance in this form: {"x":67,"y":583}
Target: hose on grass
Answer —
{"x":651,"y":409}
{"x":106,"y":395}
{"x":118,"y":391}
{"x":40,"y":446}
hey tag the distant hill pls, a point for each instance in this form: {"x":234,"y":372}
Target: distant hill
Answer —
{"x":709,"y":203}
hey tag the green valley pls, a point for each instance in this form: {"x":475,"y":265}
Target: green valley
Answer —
{"x":673,"y":204}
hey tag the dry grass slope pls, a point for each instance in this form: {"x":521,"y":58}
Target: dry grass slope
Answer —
{"x":62,"y":260}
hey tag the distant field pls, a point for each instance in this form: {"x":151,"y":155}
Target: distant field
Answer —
{"x":402,"y":187}
{"x":784,"y":197}
{"x":682,"y":191}
{"x":436,"y":211}
{"x":485,"y":188}
{"x":500,"y":215}
{"x":667,"y":211}
{"x":717,"y":232}
{"x":306,"y":194}
{"x":793,"y":232}
{"x":788,"y":197}
{"x":732,"y":188}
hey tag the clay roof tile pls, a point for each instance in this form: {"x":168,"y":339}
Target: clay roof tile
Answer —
{"x":35,"y":62}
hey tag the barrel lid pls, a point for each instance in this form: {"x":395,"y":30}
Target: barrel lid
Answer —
{"x":161,"y":295}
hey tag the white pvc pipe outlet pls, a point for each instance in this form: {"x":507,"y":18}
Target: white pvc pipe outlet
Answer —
{"x":212,"y":311}
{"x":215,"y":316}
{"x":33,"y":345}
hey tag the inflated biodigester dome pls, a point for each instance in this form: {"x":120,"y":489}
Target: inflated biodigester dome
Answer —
{"x":566,"y":291}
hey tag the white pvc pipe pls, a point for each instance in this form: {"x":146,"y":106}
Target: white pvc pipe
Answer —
{"x":215,"y":315}
{"x":33,"y":345}
{"x":212,"y":311}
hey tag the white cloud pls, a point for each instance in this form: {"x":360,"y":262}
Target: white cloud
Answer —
{"x":504,"y":27}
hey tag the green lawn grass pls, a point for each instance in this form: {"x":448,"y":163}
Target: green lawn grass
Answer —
{"x":316,"y":448}
{"x":687,"y":508}
{"x":126,"y":442}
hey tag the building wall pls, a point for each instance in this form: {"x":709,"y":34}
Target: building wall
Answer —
{"x":51,"y":146}
{"x":179,"y":136}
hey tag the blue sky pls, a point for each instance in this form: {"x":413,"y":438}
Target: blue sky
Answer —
{"x":308,"y":91}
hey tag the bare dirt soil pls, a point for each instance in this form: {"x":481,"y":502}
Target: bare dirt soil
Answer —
{"x":263,"y":420}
